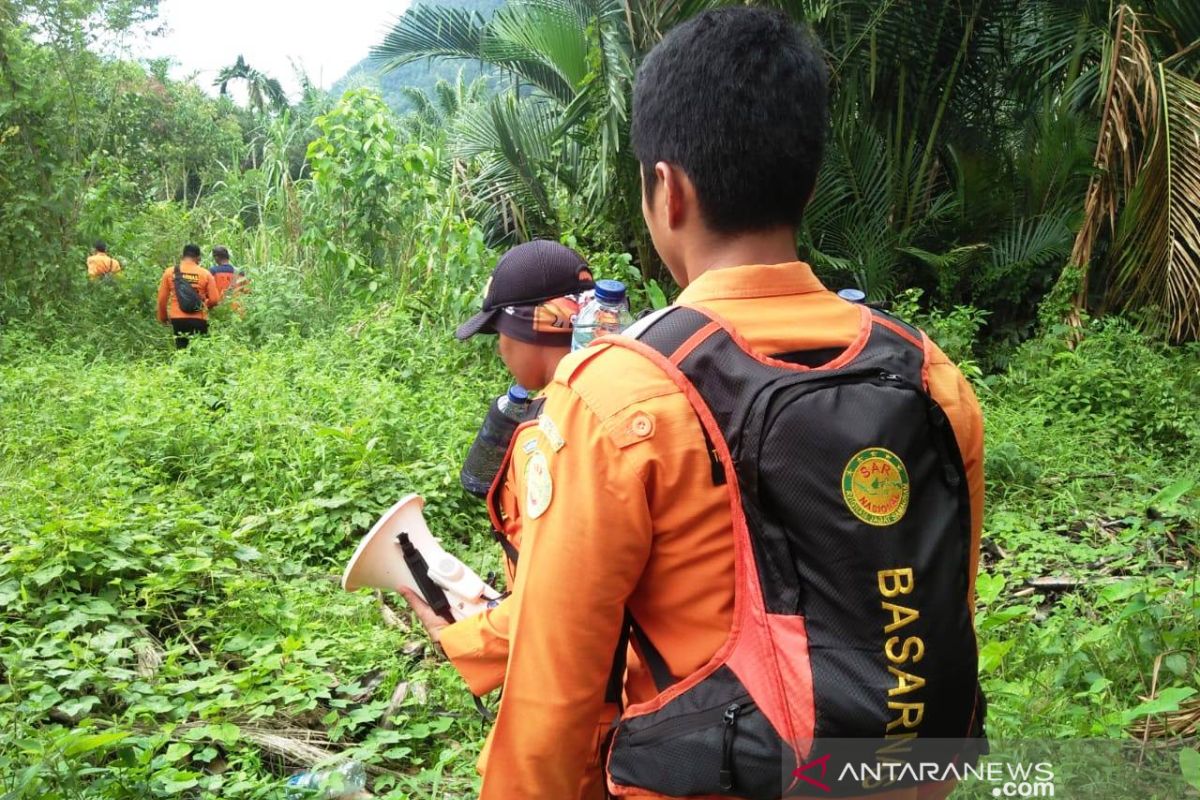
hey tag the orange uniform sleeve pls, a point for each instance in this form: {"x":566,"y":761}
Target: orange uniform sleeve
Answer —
{"x":956,"y":397}
{"x":587,"y":535}
{"x":164,"y":291}
{"x":478,"y":647}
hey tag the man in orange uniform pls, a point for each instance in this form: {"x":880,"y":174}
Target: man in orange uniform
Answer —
{"x":187,"y":323}
{"x":528,"y":304}
{"x":619,"y":506}
{"x":100,"y":263}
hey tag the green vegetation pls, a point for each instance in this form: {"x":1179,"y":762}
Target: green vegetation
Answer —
{"x":173,"y":524}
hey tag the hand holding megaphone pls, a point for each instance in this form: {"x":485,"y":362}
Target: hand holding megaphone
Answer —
{"x":400,"y":553}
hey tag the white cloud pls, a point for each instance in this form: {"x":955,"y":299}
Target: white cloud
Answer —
{"x":325,"y":38}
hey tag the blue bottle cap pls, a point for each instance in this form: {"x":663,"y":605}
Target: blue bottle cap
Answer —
{"x":852,"y":295}
{"x":610,"y":291}
{"x":518,"y":393}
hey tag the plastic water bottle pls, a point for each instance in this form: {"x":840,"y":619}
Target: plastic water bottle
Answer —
{"x":340,"y":781}
{"x":491,"y":443}
{"x":607,"y":312}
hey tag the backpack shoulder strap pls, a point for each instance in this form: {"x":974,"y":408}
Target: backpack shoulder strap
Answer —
{"x":535,"y":409}
{"x":668,"y":329}
{"x":897,"y":347}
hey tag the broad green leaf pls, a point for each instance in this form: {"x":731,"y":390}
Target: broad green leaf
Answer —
{"x":80,"y":744}
{"x":1167,"y":700}
{"x":988,"y":587}
{"x":79,"y":707}
{"x":1189,"y":764}
{"x":992,"y":654}
{"x":1170,"y":494}
{"x":176,"y":751}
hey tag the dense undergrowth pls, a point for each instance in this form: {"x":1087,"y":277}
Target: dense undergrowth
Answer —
{"x":172,"y":525}
{"x":172,"y":624}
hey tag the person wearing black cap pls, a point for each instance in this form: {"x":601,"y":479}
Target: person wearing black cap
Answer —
{"x":529,"y":301}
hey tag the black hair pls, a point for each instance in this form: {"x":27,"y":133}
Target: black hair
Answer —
{"x":220,"y":252}
{"x":736,"y":98}
{"x":99,"y":246}
{"x":191,"y":251}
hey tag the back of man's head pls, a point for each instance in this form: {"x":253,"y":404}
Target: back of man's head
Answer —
{"x":736,"y":98}
{"x":191,"y":251}
{"x":100,"y":246}
{"x":220,"y":254}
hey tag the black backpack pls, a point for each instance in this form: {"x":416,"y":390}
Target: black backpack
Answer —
{"x":852,"y":537}
{"x":186,"y":294}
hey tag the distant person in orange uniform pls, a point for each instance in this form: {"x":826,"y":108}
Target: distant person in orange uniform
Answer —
{"x":224,"y":273}
{"x":621,"y":509}
{"x":101,"y":264}
{"x":186,"y":324}
{"x":230,"y":280}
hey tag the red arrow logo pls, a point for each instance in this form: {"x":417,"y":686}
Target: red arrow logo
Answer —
{"x":823,"y":763}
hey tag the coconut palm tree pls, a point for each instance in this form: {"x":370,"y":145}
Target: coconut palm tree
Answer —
{"x":262,"y":91}
{"x":570,"y":67}
{"x":1145,"y":195}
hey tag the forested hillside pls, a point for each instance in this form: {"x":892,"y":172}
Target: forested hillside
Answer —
{"x":395,"y":86}
{"x":1021,"y":179}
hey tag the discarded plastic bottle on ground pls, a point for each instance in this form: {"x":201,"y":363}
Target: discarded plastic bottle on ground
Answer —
{"x":331,"y":783}
{"x":491,"y":443}
{"x":608,"y":312}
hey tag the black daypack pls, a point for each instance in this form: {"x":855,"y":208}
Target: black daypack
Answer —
{"x":185,"y":294}
{"x":852,"y":639}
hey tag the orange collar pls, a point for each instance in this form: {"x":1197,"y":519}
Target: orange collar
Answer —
{"x":760,"y":280}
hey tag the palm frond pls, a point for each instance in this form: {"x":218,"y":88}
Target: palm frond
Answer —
{"x":1179,"y":21}
{"x":1157,"y":242}
{"x":1147,"y":187}
{"x":545,"y":43}
{"x":510,"y":140}
{"x":428,"y":31}
{"x":1030,"y":242}
{"x":1130,"y":102}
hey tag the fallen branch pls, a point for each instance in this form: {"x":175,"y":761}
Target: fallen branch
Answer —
{"x":394,"y":705}
{"x":1053,"y":584}
{"x":298,"y":747}
{"x":390,"y":617}
{"x":1054,"y":480}
{"x":1056,"y":583}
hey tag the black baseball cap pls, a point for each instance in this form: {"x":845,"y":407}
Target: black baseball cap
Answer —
{"x":527,"y":276}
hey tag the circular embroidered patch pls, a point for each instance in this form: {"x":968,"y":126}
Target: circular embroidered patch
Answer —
{"x":875,"y":486}
{"x":539,"y":486}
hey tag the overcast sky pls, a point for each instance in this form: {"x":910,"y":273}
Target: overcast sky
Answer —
{"x":327,"y":37}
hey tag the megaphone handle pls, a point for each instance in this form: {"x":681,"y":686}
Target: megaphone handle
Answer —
{"x":485,"y":712}
{"x":432,"y":593}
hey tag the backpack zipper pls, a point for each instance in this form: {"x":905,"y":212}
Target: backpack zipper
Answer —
{"x":687,"y":723}
{"x":730,"y":719}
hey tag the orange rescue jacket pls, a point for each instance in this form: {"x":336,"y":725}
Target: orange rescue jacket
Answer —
{"x":200,"y":278}
{"x":100,"y":264}
{"x":618,"y":510}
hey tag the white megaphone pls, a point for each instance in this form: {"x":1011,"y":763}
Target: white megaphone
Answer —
{"x":401,"y":552}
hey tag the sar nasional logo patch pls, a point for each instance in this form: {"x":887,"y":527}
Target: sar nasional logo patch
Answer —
{"x":875,"y":486}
